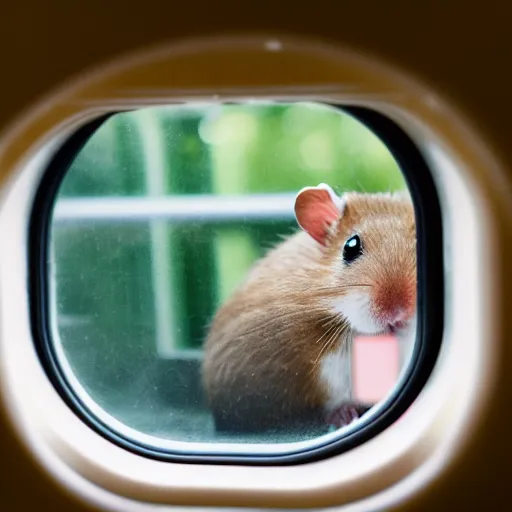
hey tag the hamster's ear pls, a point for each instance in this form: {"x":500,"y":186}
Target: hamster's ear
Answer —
{"x":317,"y":209}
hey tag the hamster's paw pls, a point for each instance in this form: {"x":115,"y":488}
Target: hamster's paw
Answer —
{"x":343,"y":415}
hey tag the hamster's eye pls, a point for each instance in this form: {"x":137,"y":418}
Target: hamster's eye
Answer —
{"x":352,"y":249}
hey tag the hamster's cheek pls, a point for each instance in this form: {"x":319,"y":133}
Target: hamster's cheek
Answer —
{"x":356,"y":309}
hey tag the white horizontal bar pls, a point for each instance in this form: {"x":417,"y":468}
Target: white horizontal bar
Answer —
{"x":202,"y":208}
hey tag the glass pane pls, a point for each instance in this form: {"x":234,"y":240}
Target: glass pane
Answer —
{"x":197,"y":296}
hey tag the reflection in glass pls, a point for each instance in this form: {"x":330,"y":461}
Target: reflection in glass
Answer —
{"x":157,"y":223}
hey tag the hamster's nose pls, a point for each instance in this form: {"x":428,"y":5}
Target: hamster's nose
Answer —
{"x":400,"y":316}
{"x":394,"y":305}
{"x":398,"y":321}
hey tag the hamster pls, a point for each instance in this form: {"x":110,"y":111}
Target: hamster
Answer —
{"x":277,"y":354}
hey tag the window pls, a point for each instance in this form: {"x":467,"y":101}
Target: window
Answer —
{"x":155,"y":220}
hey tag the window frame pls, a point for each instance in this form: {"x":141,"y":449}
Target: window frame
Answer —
{"x":430,"y":317}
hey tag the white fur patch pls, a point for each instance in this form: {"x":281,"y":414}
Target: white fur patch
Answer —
{"x":355,"y":307}
{"x":336,"y":376}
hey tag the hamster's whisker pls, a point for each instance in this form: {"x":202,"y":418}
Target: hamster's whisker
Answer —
{"x":337,"y":288}
{"x":330,"y":329}
{"x":330,"y":319}
{"x":332,"y":339}
{"x":287,"y":315}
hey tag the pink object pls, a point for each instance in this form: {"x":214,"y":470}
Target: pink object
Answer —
{"x":375,"y":367}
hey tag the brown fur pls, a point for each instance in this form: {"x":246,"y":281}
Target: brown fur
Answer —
{"x":263,"y":351}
